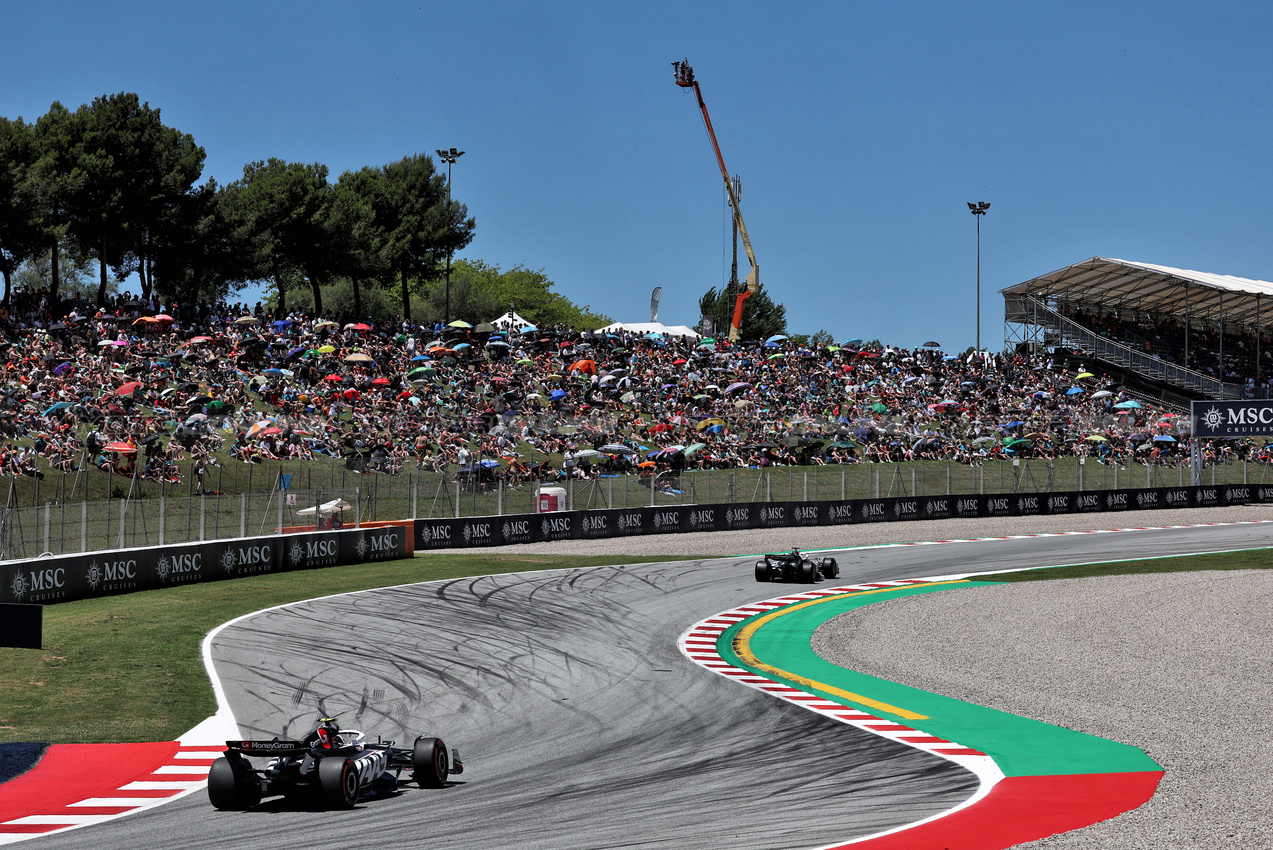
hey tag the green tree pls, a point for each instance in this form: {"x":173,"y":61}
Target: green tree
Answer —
{"x":127,"y":173}
{"x":420,"y":223}
{"x":199,"y":254}
{"x":21,"y":232}
{"x":75,"y":272}
{"x":52,"y":182}
{"x":762,"y":318}
{"x":493,"y":291}
{"x":283,"y":208}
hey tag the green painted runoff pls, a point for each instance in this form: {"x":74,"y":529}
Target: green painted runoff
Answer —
{"x":1020,"y":746}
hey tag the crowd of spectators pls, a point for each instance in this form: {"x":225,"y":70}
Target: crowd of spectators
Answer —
{"x":163,"y":391}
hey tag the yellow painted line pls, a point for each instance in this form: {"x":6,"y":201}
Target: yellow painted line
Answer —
{"x":742,"y":646}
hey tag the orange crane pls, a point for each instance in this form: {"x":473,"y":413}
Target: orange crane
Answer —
{"x":685,"y":79}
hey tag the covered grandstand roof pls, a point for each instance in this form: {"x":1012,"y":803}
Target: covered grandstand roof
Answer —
{"x":1154,"y":289}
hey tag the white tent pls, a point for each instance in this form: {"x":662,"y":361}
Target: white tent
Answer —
{"x":650,"y":327}
{"x":511,"y":321}
{"x":334,"y":506}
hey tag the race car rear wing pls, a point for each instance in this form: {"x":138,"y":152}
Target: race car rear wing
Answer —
{"x":268,"y":748}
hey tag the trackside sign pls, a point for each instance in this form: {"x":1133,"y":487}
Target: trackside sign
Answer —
{"x":1219,"y":419}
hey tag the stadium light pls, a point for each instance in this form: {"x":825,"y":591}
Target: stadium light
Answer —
{"x":449,"y":157}
{"x":978,"y":209}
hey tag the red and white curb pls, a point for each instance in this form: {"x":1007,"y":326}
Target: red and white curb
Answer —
{"x":183,"y":771}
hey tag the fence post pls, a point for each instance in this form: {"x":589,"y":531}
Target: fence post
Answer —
{"x":243,"y":514}
{"x":203,"y":513}
{"x":123,"y":508}
{"x":841,"y":482}
{"x":947,"y":478}
{"x":415,"y":495}
{"x":457,"y":496}
{"x":806,"y":485}
{"x":47,"y":509}
{"x":767,"y":487}
{"x":357,"y":507}
{"x":84,"y":522}
{"x":161,"y":519}
{"x":499,"y":497}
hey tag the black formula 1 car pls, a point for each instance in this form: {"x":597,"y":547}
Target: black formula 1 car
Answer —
{"x":330,"y":766}
{"x":792,"y":566}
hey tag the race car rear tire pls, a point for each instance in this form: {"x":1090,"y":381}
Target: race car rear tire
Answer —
{"x":430,"y":762}
{"x":226,"y":792}
{"x":338,"y":782}
{"x":830,"y":568}
{"x":762,"y":571}
{"x":808,"y":572}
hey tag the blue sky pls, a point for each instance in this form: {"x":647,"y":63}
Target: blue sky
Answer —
{"x":1130,"y":130}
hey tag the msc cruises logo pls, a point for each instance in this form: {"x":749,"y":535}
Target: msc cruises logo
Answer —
{"x":1213,"y":418}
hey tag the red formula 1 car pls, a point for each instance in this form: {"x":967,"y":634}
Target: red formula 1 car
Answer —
{"x":793,"y":566}
{"x":331,"y":766}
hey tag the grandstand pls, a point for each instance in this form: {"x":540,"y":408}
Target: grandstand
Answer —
{"x":1175,"y":333}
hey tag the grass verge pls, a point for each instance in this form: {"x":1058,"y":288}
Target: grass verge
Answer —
{"x":128,"y":668}
{"x":1248,"y":559}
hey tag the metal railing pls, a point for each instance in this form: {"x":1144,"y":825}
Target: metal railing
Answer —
{"x":155,"y":518}
{"x":1075,"y":335}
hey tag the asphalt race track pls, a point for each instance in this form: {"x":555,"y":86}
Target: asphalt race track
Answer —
{"x":580,"y":724}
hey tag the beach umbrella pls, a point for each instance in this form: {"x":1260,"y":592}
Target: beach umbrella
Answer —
{"x":359,"y":357}
{"x":121,"y":448}
{"x":462,"y":346}
{"x":556,"y":394}
{"x":246,"y":320}
{"x":1164,"y":438}
{"x":1074,"y":391}
{"x":129,"y":388}
{"x":695,"y":448}
{"x":419,"y":357}
{"x":334,"y":378}
{"x":1081,"y":375}
{"x":617,"y":448}
{"x":1096,"y":438}
{"x":707,"y":423}
{"x":879,"y":408}
{"x":54,"y":408}
{"x":459,"y":324}
{"x":1127,"y":405}
{"x":776,"y":338}
{"x":1102,"y":394}
{"x":164,"y":319}
{"x":144,"y":320}
{"x":63,"y":369}
{"x":737,"y":385}
{"x":323,"y":325}
{"x":380,"y":382}
{"x":932,"y":344}
{"x":275,"y":373}
{"x":529,"y":329}
{"x":628,"y":397}
{"x":326,"y":349}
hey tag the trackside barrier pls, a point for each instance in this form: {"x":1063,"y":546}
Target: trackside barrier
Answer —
{"x":95,"y":574}
{"x":628,"y":522}
{"x":107,"y":573}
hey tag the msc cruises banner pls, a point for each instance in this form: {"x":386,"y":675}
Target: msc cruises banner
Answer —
{"x":673,"y":519}
{"x":1219,"y":419}
{"x":94,"y":574}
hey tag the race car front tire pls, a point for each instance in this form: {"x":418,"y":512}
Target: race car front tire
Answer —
{"x":226,"y":792}
{"x":338,"y":782}
{"x":762,"y":571}
{"x":830,"y":568}
{"x":431,"y":763}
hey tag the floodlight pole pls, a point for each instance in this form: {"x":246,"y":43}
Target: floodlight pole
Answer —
{"x":978,"y":209}
{"x":449,"y":157}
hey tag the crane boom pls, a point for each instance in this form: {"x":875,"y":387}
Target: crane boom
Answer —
{"x":685,"y":79}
